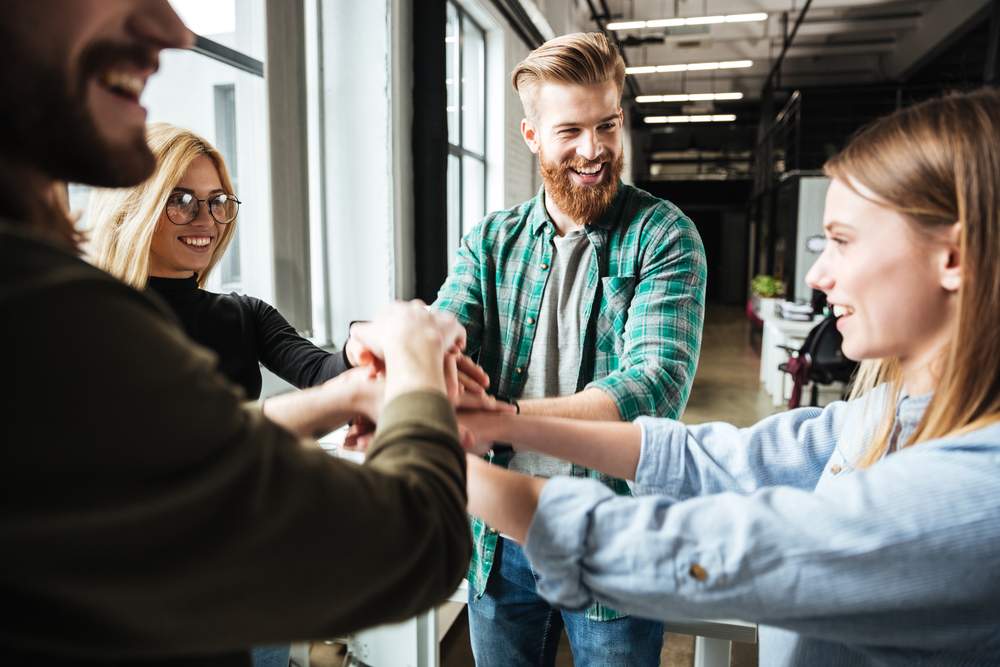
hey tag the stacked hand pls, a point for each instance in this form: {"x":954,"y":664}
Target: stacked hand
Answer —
{"x":409,"y":347}
{"x":480,"y":429}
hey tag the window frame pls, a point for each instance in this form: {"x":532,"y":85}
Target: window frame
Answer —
{"x":459,"y":150}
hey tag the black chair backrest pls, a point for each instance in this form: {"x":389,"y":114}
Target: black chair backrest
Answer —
{"x":827,"y":361}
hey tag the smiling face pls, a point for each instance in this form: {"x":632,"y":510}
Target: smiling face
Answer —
{"x":892,"y":284}
{"x":180,"y":251}
{"x":576,"y":131}
{"x":72,"y":72}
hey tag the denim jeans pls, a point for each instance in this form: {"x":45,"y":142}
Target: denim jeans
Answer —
{"x":270,"y":656}
{"x":511,"y":625}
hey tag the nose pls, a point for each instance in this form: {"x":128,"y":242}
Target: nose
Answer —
{"x":156,"y":23}
{"x":818,"y":276}
{"x":589,"y":146}
{"x":204,"y":217}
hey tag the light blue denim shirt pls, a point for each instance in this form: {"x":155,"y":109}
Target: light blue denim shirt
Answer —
{"x":898,"y":564}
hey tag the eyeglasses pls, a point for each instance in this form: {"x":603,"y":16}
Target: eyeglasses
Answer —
{"x":183,"y":207}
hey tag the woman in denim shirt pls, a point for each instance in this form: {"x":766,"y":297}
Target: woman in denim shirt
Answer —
{"x":864,"y":533}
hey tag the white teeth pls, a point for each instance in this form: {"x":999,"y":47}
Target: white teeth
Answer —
{"x":591,"y":171}
{"x":840,"y":311}
{"x":198,"y":241}
{"x":130,"y":83}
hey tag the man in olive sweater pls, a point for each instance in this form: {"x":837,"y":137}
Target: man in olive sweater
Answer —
{"x":147,"y":514}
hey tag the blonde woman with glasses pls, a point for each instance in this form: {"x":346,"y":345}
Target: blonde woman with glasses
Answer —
{"x":863,"y":533}
{"x":167,"y":234}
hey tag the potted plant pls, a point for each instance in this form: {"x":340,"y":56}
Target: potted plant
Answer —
{"x":765,"y":291}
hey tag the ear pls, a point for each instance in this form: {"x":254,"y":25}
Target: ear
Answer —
{"x":530,"y":135}
{"x":951,"y":259}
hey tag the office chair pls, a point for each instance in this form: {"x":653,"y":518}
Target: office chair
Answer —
{"x":819,"y":361}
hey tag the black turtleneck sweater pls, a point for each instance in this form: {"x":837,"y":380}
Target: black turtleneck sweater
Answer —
{"x":245,"y":332}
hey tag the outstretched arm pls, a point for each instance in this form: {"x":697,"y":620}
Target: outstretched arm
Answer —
{"x":611,"y":447}
{"x":313,"y":412}
{"x":814,"y":562}
{"x":504,"y":499}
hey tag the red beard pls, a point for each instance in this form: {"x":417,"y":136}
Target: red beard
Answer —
{"x":582,"y":203}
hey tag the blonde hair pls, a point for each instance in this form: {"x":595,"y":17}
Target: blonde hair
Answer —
{"x":122,"y":221}
{"x":582,"y":58}
{"x":937,"y":163}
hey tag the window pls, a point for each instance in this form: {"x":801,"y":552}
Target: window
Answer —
{"x":465,"y":80}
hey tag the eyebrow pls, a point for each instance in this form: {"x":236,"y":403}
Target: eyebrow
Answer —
{"x":613,"y":116}
{"x":191,"y":192}
{"x":833,"y":225}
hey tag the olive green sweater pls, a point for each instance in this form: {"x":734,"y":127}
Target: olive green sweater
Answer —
{"x":148,"y":514}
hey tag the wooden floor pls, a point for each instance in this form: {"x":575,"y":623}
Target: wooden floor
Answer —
{"x":726,"y":388}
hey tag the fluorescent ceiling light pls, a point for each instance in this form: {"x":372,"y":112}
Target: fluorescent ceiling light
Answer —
{"x":694,"y":20}
{"x":692,"y":97}
{"x":689,"y":67}
{"x":706,"y":118}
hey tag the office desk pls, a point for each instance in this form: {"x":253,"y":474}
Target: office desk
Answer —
{"x":415,"y":642}
{"x":778,"y":332}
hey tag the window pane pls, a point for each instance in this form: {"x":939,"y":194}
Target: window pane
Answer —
{"x":225,"y":135}
{"x":454,"y":207}
{"x":473,"y":90}
{"x":238,"y":24}
{"x":451,"y":43}
{"x":473,"y":192}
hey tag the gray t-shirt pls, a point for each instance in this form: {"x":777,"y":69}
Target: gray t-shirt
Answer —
{"x":554,"y":366}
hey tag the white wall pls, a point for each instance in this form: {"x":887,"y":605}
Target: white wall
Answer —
{"x":521,"y":179}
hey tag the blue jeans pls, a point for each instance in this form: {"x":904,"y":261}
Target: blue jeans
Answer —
{"x":512,"y":625}
{"x":270,"y":656}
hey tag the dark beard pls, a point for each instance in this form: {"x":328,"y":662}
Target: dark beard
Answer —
{"x":584,"y":204}
{"x":46,"y":125}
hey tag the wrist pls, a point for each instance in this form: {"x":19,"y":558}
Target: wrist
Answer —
{"x":509,"y":401}
{"x":403,"y":375}
{"x":351,"y":345}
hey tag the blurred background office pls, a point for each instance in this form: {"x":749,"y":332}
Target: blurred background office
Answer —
{"x":364,"y":138}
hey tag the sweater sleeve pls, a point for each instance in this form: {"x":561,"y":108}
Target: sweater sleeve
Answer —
{"x":287,"y":354}
{"x":149,"y":512}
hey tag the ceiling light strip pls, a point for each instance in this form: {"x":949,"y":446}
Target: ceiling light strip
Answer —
{"x":693,"y":20}
{"x":689,"y":67}
{"x":692,"y":97}
{"x":706,"y":118}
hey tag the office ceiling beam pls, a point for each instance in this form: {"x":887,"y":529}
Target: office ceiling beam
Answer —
{"x":941,"y":26}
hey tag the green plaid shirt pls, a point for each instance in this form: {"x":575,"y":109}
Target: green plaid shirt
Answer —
{"x":643,"y":304}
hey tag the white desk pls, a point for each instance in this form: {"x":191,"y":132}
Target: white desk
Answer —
{"x":415,"y":642}
{"x":777,"y":332}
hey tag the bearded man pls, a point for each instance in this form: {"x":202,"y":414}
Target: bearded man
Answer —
{"x":585,"y":302}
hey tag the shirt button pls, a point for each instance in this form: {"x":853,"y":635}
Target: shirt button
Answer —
{"x":545,"y":266}
{"x":835,"y":469}
{"x":698,"y":572}
{"x":530,"y":320}
{"x":518,"y":370}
